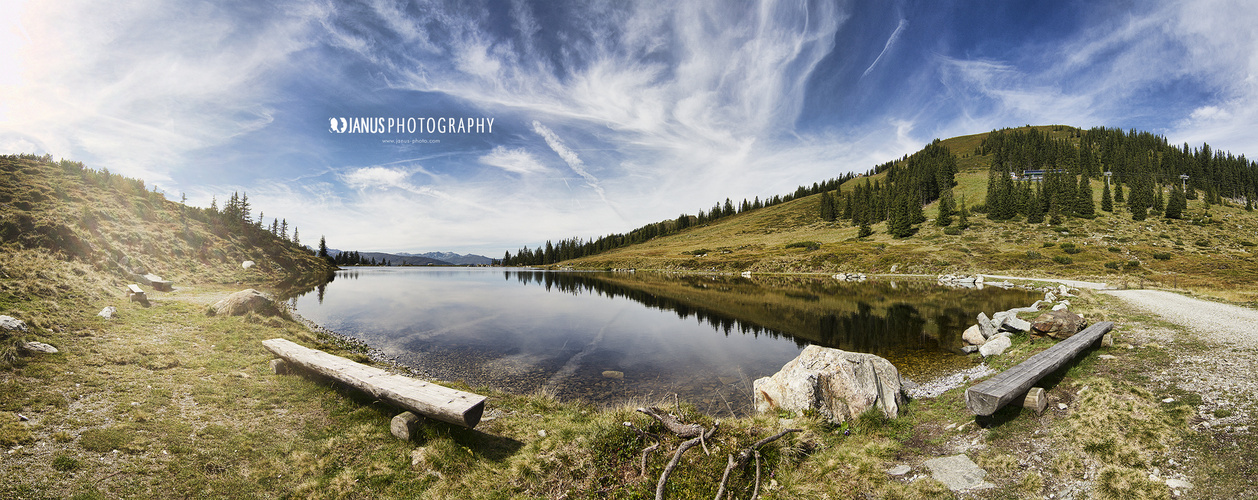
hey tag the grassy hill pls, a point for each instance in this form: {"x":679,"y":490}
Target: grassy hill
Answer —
{"x":71,"y":236}
{"x":1209,"y":250}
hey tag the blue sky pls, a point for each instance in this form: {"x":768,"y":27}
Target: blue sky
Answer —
{"x":607,"y":114}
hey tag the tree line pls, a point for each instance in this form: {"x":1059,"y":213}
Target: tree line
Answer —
{"x":573,"y":248}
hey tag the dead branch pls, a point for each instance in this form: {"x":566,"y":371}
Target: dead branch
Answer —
{"x":670,"y":422}
{"x":645,"y":451}
{"x":672,"y":464}
{"x":744,"y":456}
{"x":755,"y":492}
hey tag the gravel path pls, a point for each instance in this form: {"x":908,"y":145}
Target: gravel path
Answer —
{"x":1214,"y":322}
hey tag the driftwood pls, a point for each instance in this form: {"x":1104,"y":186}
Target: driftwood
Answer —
{"x":744,"y":456}
{"x":671,"y":423}
{"x":672,"y":464}
{"x":423,"y":398}
{"x":645,"y":451}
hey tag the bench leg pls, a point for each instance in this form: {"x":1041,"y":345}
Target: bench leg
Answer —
{"x":404,"y":425}
{"x":279,"y":366}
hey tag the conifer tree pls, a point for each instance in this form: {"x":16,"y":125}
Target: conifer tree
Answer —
{"x":827,"y":207}
{"x":865,"y":230}
{"x":1035,"y":208}
{"x":323,"y":247}
{"x":1084,"y":206}
{"x":1107,"y":201}
{"x":1176,"y":204}
{"x":1118,"y":192}
{"x":1158,"y":201}
{"x":947,"y":208}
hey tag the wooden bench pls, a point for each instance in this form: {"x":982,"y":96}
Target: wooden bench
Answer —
{"x":984,"y":398}
{"x":136,"y":294}
{"x":423,"y":398}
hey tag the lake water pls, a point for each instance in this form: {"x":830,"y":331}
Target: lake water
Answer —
{"x":609,"y":338}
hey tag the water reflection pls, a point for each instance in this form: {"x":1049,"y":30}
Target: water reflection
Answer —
{"x":703,"y":337}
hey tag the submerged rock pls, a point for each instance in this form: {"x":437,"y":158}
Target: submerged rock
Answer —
{"x":840,"y":385}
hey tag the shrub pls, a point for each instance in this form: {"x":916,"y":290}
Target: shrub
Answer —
{"x":809,"y":245}
{"x":1114,"y":249}
{"x":1132,"y":264}
{"x":1203,"y":243}
{"x":1162,"y":255}
{"x":1071,"y":248}
{"x":1063,"y":260}
{"x":65,"y":463}
{"x":1032,"y":254}
{"x":1049,"y":244}
{"x":1246,"y":243}
{"x":952,"y":230}
{"x":1116,"y":265}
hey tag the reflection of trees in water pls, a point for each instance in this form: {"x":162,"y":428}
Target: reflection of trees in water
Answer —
{"x":897,"y":326}
{"x":586,"y":283}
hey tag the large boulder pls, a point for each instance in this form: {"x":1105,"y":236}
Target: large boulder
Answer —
{"x":242,"y":302}
{"x":1058,"y":324}
{"x":973,"y":335}
{"x":986,"y":326}
{"x":995,"y":346}
{"x":840,"y":385}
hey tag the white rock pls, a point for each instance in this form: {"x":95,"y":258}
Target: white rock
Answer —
{"x":1107,"y":356}
{"x":1168,"y":400}
{"x":247,"y":264}
{"x":1061,"y":406}
{"x":899,"y":470}
{"x":39,"y":348}
{"x":541,"y":433}
{"x":840,"y":385}
{"x":11,"y":323}
{"x":973,"y":335}
{"x":108,"y":312}
{"x":1012,"y":323}
{"x":995,"y":346}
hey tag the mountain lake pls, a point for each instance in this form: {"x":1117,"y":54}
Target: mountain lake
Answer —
{"x":623,"y":337}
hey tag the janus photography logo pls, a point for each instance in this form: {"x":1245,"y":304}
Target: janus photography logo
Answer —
{"x":410,"y":125}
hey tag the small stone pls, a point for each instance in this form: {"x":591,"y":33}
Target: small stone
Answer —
{"x":899,"y":470}
{"x":613,"y":374}
{"x":1061,"y":307}
{"x":1107,"y":356}
{"x":419,"y":457}
{"x":1168,"y":400}
{"x":22,"y":418}
{"x":958,"y":473}
{"x":279,"y":366}
{"x":541,"y":433}
{"x":969,"y":349}
{"x":247,"y":264}
{"x":1061,"y":406}
{"x":108,"y":312}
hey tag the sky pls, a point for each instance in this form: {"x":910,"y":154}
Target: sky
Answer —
{"x":525,"y":121}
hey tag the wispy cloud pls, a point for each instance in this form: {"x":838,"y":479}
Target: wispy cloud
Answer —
{"x":517,"y":160}
{"x":895,"y":35}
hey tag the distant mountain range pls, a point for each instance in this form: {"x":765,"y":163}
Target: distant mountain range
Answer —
{"x":423,"y":259}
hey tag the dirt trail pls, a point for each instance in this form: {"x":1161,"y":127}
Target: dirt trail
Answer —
{"x":1211,"y":321}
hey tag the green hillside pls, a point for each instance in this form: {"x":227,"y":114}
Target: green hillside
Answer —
{"x":1209,"y":249}
{"x":74,"y":235}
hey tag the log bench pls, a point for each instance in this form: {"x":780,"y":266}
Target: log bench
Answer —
{"x":417,"y":396}
{"x":136,"y":294}
{"x":984,"y":398}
